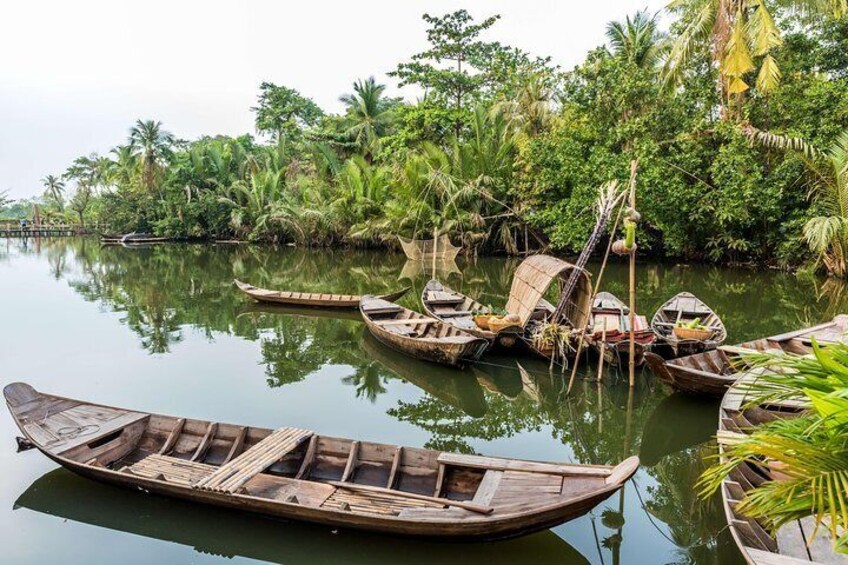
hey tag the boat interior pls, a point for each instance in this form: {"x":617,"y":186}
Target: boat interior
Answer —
{"x":798,"y":539}
{"x":294,"y":465}
{"x":684,"y":308}
{"x":402,"y":321}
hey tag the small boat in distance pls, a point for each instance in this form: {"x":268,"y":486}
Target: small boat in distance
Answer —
{"x":420,"y":336}
{"x":133,"y":238}
{"x":310,"y":299}
{"x":295,"y":474}
{"x":682,"y":309}
{"x":609,"y":331}
{"x":712,"y":372}
{"x":458,"y":310}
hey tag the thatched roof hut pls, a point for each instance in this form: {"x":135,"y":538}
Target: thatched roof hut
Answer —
{"x":533,"y":278}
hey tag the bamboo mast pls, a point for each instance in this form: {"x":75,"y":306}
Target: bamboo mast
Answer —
{"x":634,"y":165}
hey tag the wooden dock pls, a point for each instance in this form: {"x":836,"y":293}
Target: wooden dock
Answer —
{"x":42,"y":231}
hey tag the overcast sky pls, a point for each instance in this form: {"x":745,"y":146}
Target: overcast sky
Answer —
{"x":75,"y":75}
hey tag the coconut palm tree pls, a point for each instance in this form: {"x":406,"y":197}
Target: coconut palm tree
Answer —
{"x":368,"y":116}
{"x":827,"y":233}
{"x":741,"y":36}
{"x":637,"y":39}
{"x":54,"y":190}
{"x":151,"y":145}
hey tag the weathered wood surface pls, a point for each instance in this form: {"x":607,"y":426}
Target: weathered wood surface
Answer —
{"x":294,"y":474}
{"x":609,"y":333}
{"x":309,"y":299}
{"x":454,"y":308}
{"x":711,"y":373}
{"x":793,"y":543}
{"x":682,"y":308}
{"x":419,"y":336}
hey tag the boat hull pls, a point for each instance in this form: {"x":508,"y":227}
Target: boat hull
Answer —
{"x":310,"y":299}
{"x":124,"y":448}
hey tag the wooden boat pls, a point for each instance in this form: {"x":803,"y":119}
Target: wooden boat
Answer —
{"x":458,"y":310}
{"x":533,"y":278}
{"x":418,"y":335}
{"x":295,"y":474}
{"x":609,"y":332}
{"x":309,"y":299}
{"x":712,"y":372}
{"x":133,"y":239}
{"x":682,"y":308}
{"x":793,"y":543}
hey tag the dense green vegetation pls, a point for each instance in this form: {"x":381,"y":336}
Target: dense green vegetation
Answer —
{"x":505,"y":151}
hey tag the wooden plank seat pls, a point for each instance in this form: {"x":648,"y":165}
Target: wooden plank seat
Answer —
{"x":383,"y":310}
{"x":63,"y":430}
{"x":497,"y":464}
{"x":170,"y":469}
{"x":454,"y":313}
{"x":408,"y":322}
{"x":233,"y":475}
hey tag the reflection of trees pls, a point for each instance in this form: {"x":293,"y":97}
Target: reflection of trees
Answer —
{"x":694,"y":525}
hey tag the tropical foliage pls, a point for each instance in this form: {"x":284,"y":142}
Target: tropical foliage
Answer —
{"x":503,"y":150}
{"x":810,"y":451}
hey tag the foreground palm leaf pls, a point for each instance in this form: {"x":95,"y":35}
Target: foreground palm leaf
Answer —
{"x":806,"y":455}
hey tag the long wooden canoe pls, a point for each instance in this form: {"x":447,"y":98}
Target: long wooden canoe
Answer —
{"x":309,"y":299}
{"x":458,"y":310}
{"x":682,"y":308}
{"x":609,"y":331}
{"x":418,"y":335}
{"x":295,"y":474}
{"x":712,"y":372}
{"x":793,"y":543}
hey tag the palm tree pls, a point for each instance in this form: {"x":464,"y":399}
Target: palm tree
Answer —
{"x":741,"y":35}
{"x":531,"y":109}
{"x":636,"y":40}
{"x":152,"y":147}
{"x":368,"y":116}
{"x":809,"y":450}
{"x":826,"y":234}
{"x":54,"y":189}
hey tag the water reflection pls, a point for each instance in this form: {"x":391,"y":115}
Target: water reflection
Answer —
{"x":169,"y":297}
{"x":231,"y":534}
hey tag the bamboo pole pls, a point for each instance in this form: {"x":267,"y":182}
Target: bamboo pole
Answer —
{"x":603,"y":352}
{"x":634,"y":166}
{"x":582,"y":341}
{"x":435,"y":248}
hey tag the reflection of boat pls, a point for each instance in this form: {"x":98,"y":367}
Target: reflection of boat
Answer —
{"x":796,"y":542}
{"x":419,"y":336}
{"x":610,"y":331}
{"x":500,"y":376}
{"x":439,"y":382}
{"x":294,"y":473}
{"x":219,"y":532}
{"x":309,"y":299}
{"x":300,"y":311}
{"x":458,"y":310}
{"x":683,"y":308}
{"x":678,"y":422}
{"x":443,"y":268}
{"x":712,"y":372}
{"x":427,"y":249}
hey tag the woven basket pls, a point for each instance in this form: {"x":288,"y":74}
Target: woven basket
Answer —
{"x":482,"y":321}
{"x":497,"y":324}
{"x":693,"y":333}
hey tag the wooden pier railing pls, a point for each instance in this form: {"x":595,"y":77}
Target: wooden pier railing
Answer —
{"x":42,"y":230}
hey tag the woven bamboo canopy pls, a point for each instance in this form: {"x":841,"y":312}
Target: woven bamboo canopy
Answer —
{"x":533,"y":278}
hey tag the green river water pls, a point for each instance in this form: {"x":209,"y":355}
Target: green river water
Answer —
{"x":163,"y":329}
